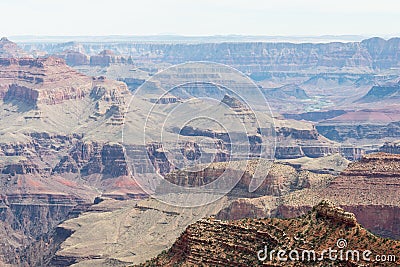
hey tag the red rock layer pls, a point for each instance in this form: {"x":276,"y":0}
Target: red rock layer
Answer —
{"x":41,"y":80}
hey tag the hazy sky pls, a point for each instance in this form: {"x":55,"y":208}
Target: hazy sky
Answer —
{"x":200,"y":17}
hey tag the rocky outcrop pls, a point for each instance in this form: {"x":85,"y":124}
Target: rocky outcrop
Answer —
{"x":41,"y":185}
{"x":10,"y":49}
{"x":74,"y":58}
{"x":391,"y":147}
{"x":279,"y":180}
{"x":352,"y":153}
{"x":133,"y":83}
{"x":286,"y":92}
{"x":89,"y":158}
{"x":306,"y":134}
{"x":388,"y":92}
{"x":191,"y":131}
{"x":343,"y":131}
{"x":50,"y":81}
{"x":368,"y":188}
{"x":296,"y":140}
{"x":22,"y":167}
{"x":34,"y":80}
{"x":293,"y":152}
{"x":262,"y":207}
{"x":319,"y":151}
{"x":113,"y":160}
{"x":106,"y":58}
{"x":327,"y":210}
{"x":29,"y":218}
{"x":110,"y":97}
{"x":232,"y":102}
{"x":252,"y":242}
{"x":300,"y":142}
{"x":40,"y":190}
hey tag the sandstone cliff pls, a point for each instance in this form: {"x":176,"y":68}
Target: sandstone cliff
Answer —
{"x":212,"y":242}
{"x":33,"y":81}
{"x":368,"y":188}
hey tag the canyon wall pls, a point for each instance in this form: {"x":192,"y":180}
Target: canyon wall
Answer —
{"x":261,"y":57}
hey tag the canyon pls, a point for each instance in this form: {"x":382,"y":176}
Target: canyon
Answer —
{"x":295,"y":78}
{"x":72,"y":149}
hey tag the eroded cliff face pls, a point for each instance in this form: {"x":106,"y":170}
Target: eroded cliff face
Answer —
{"x":391,"y":147}
{"x":74,"y":58}
{"x":63,"y":158}
{"x":238,"y":243}
{"x":265,"y":207}
{"x":384,"y":93}
{"x":279,"y":179}
{"x":368,"y":188}
{"x":28,"y":223}
{"x":88,"y":158}
{"x":292,"y":141}
{"x":351,"y":130}
{"x":374,"y":53}
{"x":32,"y":81}
{"x":35,"y":198}
{"x":106,"y":58}
{"x":381,"y":220}
{"x":40,"y":188}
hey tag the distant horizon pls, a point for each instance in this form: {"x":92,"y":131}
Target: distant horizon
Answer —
{"x":193,"y":38}
{"x":200,"y":18}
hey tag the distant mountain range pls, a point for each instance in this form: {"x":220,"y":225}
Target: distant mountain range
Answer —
{"x":168,"y":38}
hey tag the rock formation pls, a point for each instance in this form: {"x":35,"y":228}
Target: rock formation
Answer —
{"x":106,"y":58}
{"x":33,"y":81}
{"x":388,"y":92}
{"x":41,"y":170}
{"x":279,"y":180}
{"x":89,"y":158}
{"x":368,"y":188}
{"x":391,"y":147}
{"x":348,"y":129}
{"x":74,"y":58}
{"x":61,"y":148}
{"x":10,"y":49}
{"x":253,"y":242}
{"x":274,"y":56}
